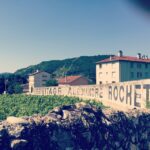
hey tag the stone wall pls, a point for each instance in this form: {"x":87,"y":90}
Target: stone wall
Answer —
{"x":77,"y":127}
{"x":123,"y":96}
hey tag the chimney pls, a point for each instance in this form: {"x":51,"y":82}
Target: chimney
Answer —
{"x":110,"y":58}
{"x":120,"y":53}
{"x":143,"y":57}
{"x":139,"y":55}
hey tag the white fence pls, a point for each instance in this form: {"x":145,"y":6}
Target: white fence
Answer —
{"x":122,"y":96}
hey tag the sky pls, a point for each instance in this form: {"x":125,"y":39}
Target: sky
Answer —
{"x":32,"y":31}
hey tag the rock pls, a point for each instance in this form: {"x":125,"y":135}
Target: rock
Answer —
{"x":59,"y":116}
{"x":134,"y":139}
{"x":69,"y":148}
{"x":56,"y":110}
{"x":16,"y":120}
{"x":67,"y":107}
{"x":81,"y":104}
{"x":133,"y":147}
{"x":37,"y":120}
{"x":66,"y":114}
{"x":3,"y":132}
{"x":144,"y":135}
{"x":16,"y":131}
{"x":18,"y":144}
{"x":52,"y":117}
{"x":87,"y":136}
{"x":77,"y":127}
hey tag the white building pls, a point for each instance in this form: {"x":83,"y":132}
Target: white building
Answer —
{"x":122,"y":68}
{"x":38,"y":79}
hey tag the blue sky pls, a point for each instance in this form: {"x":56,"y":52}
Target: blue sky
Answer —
{"x":32,"y":31}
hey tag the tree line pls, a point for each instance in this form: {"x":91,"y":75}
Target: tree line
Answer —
{"x":11,"y":83}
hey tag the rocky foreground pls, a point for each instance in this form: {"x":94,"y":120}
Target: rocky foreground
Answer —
{"x":77,"y":127}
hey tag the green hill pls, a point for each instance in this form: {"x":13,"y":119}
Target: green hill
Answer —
{"x":84,"y":65}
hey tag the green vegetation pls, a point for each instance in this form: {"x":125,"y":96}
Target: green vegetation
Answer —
{"x":23,"y":105}
{"x":51,"y":82}
{"x":11,"y":83}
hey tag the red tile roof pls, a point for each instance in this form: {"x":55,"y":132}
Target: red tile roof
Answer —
{"x":68,"y":79}
{"x":124,"y":58}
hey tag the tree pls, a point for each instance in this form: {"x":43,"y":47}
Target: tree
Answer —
{"x":2,"y":85}
{"x":18,"y":89}
{"x":15,"y":88}
{"x":51,"y":82}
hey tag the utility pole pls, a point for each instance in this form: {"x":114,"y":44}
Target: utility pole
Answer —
{"x":5,"y":83}
{"x":71,"y":65}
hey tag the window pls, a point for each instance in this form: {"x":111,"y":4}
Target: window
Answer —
{"x":132,"y":75}
{"x":146,"y":66}
{"x":44,"y":76}
{"x":100,"y":65}
{"x":100,"y":74}
{"x":139,"y":65}
{"x":113,"y":65}
{"x":146,"y":74}
{"x":100,"y":82}
{"x":44,"y":80}
{"x":139,"y":75}
{"x":113,"y":74}
{"x":131,"y":65}
{"x":113,"y":82}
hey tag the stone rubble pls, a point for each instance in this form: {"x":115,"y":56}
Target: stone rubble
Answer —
{"x":78,"y":127}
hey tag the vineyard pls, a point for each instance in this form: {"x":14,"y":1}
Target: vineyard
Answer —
{"x":23,"y":105}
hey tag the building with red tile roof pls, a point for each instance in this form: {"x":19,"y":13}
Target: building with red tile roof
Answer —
{"x":73,"y":80}
{"x":125,"y":58}
{"x":122,"y":68}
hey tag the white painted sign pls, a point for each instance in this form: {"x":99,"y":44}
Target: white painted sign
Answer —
{"x":123,"y":95}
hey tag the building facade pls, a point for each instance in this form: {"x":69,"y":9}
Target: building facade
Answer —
{"x":38,"y":79}
{"x":122,"y":68}
{"x":25,"y":88}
